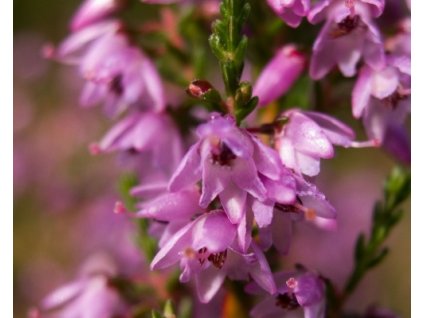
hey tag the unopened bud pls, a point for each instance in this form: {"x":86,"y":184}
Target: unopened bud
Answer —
{"x":198,"y":88}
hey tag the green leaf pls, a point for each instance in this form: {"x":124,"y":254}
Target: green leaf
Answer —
{"x":185,"y":308}
{"x":168,"y":310}
{"x":378,"y":258}
{"x":241,"y":113}
{"x":360,"y":247}
{"x":126,"y":183}
{"x":155,"y":314}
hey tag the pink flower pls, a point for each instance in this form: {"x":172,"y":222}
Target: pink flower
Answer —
{"x":308,"y":137}
{"x":291,"y":11}
{"x":279,"y":74}
{"x":295,"y":290}
{"x":382,"y":99}
{"x":153,"y":135}
{"x":205,"y":252}
{"x":92,"y":11}
{"x":87,"y":296}
{"x":117,"y":74}
{"x":228,"y":161}
{"x":298,"y":200}
{"x":348,"y":34}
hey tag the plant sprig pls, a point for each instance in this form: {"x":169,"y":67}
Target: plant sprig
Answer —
{"x":370,"y":251}
{"x":229,"y":45}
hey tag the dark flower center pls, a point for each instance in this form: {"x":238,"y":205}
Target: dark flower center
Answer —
{"x":116,"y":85}
{"x":346,"y":26}
{"x":287,"y":301}
{"x":393,"y":100}
{"x":217,"y":259}
{"x":224,"y":156}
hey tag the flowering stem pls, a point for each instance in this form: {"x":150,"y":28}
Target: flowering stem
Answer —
{"x":229,"y":46}
{"x":370,"y":252}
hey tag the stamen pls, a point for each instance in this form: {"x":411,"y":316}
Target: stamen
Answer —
{"x":350,"y":4}
{"x":218,"y":259}
{"x":116,"y":85}
{"x":310,"y":214}
{"x":365,"y":144}
{"x":292,"y":283}
{"x":202,"y":255}
{"x":287,"y":301}
{"x":48,"y":51}
{"x":34,"y":313}
{"x":94,"y":149}
{"x":119,"y":208}
{"x":346,"y":26}
{"x":190,"y":253}
{"x":222,"y":154}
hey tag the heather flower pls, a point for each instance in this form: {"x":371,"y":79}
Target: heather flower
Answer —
{"x":295,"y":290}
{"x":292,"y":199}
{"x":149,"y":133}
{"x":90,"y":295}
{"x":228,"y":161}
{"x":92,"y":11}
{"x":307,"y":137}
{"x":382,"y":99}
{"x":197,"y":246}
{"x":279,"y":74}
{"x":291,"y":11}
{"x":206,"y":253}
{"x":348,"y":34}
{"x":118,"y":74}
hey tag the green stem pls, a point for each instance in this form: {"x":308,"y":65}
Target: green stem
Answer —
{"x":229,"y":46}
{"x":370,"y":252}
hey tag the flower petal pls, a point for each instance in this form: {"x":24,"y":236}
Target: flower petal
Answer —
{"x":244,"y":174}
{"x":188,"y":171}
{"x":267,"y":160}
{"x":362,"y":91}
{"x":337,"y":132}
{"x":263,"y":212}
{"x":172,"y":206}
{"x":233,"y":201}
{"x":208,"y":283}
{"x":214,"y":231}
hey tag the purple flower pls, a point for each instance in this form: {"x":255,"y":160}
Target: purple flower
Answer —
{"x":279,"y":74}
{"x":382,"y":99}
{"x":117,"y":74}
{"x":205,"y":251}
{"x":294,"y":200}
{"x":291,"y":11}
{"x":348,"y":34}
{"x":227,"y":160}
{"x":152,"y":134}
{"x":308,"y":137}
{"x":92,"y":11}
{"x":90,"y":295}
{"x":296,"y":290}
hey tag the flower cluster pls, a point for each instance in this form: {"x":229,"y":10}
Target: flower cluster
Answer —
{"x":239,"y":189}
